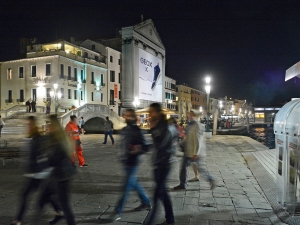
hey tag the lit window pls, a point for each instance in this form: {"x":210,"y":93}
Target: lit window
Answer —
{"x":9,"y":74}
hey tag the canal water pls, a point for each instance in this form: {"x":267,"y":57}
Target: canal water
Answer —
{"x":265,"y":135}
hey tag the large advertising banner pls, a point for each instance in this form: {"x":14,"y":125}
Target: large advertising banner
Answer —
{"x":150,"y":77}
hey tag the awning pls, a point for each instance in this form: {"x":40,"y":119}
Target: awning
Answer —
{"x":165,"y":110}
{"x":292,"y":72}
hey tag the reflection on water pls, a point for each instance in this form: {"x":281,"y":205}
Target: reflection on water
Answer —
{"x":264,"y":135}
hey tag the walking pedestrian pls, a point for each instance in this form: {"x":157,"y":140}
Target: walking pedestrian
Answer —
{"x":73,"y":132}
{"x":33,"y":104}
{"x":133,"y":145}
{"x":81,"y":125}
{"x":109,"y":128}
{"x":27,"y":106}
{"x":47,"y":105}
{"x":63,"y":171}
{"x":1,"y":125}
{"x":30,"y":106}
{"x":164,"y":136}
{"x":33,"y":166}
{"x":194,"y":151}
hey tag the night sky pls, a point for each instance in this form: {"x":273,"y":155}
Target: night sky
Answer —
{"x":244,"y":45}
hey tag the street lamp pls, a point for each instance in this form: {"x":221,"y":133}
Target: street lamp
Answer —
{"x":136,"y":102}
{"x":55,"y":96}
{"x":207,"y":90}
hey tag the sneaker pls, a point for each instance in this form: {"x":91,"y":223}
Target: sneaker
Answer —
{"x":194,"y":179}
{"x":143,"y":207}
{"x":104,"y":143}
{"x":165,"y":223}
{"x":179,"y":187}
{"x":56,"y":219}
{"x":84,"y":165}
{"x":115,"y":216}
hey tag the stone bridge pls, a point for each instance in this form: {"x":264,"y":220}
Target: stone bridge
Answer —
{"x":94,"y":116}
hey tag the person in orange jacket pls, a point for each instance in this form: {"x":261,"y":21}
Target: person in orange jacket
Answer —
{"x":73,"y":132}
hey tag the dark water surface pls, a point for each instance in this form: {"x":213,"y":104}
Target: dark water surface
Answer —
{"x":264,"y":135}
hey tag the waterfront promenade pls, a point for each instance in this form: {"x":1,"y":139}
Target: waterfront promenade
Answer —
{"x":243,"y":194}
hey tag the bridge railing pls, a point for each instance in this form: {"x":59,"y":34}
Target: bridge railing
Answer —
{"x":18,"y":108}
{"x":103,"y":109}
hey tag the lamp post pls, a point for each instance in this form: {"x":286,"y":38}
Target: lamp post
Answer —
{"x":136,"y":102}
{"x":207,"y":90}
{"x":55,"y":96}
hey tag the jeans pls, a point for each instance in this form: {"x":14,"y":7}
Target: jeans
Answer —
{"x":201,"y":164}
{"x":131,"y":183}
{"x":110,"y":132}
{"x":160,"y":193}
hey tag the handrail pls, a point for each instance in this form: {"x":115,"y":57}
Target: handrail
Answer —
{"x":90,"y":108}
{"x":15,"y":109}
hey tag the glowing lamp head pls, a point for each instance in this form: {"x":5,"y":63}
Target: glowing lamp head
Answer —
{"x":207,"y":80}
{"x":59,"y":94}
{"x":55,"y":86}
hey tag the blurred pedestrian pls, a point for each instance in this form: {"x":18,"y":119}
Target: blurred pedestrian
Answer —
{"x":27,"y":105}
{"x":163,"y":135}
{"x":81,"y":125}
{"x":1,"y":125}
{"x":59,"y":158}
{"x":109,"y":128}
{"x":72,"y":130}
{"x":33,"y":170}
{"x":133,"y":145}
{"x":33,"y":104}
{"x":194,"y":151}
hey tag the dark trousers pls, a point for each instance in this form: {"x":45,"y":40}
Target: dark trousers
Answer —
{"x":201,"y":166}
{"x":110,"y":135}
{"x":63,"y":188}
{"x":58,"y":190}
{"x":160,"y":193}
{"x":30,"y":186}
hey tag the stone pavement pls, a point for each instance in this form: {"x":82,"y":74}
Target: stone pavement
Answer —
{"x":238,"y":198}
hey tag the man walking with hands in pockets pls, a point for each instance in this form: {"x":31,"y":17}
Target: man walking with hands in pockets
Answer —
{"x":194,"y":151}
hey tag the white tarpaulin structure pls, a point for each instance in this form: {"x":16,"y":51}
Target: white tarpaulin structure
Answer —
{"x":292,"y":72}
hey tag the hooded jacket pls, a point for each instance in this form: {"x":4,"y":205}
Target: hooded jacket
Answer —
{"x":132,"y":135}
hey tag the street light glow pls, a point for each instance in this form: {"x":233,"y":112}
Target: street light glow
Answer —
{"x":52,"y":93}
{"x":59,"y":94}
{"x":207,"y":89}
{"x":55,"y":86}
{"x":207,"y":80}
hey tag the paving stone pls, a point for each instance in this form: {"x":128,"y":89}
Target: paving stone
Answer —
{"x":252,"y":220}
{"x":100,"y":185}
{"x":223,"y":201}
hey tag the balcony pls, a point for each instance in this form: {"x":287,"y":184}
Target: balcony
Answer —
{"x":69,"y":77}
{"x":62,"y":77}
{"x":8,"y":101}
{"x":111,"y":102}
{"x":21,"y":100}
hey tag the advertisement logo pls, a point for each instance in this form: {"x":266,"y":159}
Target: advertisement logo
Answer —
{"x":292,"y":145}
{"x":150,"y":77}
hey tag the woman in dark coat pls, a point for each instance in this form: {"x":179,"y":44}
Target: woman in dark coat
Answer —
{"x":59,"y":158}
{"x":33,"y":170}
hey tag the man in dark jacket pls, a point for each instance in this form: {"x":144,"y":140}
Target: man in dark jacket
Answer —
{"x":163,"y":136}
{"x":133,"y":145}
